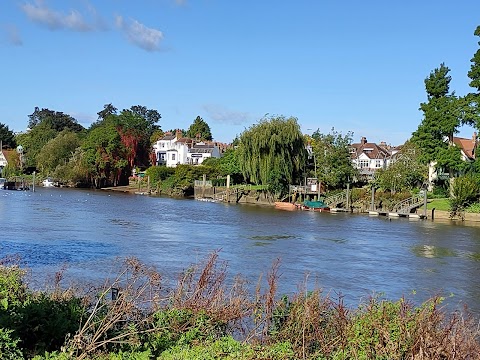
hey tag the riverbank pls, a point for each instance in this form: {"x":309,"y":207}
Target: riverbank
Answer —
{"x":255,"y":197}
{"x":439,"y":215}
{"x":135,"y":315}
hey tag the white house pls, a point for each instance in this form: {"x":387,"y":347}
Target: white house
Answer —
{"x":3,"y":160}
{"x":173,"y":150}
{"x":201,"y":151}
{"x":369,"y":157}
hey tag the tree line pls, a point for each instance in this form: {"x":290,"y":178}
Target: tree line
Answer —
{"x":273,"y":152}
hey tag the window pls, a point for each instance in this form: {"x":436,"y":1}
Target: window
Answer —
{"x":173,"y":157}
{"x":378,"y":163}
{"x":363,"y":164}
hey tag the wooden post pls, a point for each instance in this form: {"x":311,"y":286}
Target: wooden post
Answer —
{"x":33,"y":184}
{"x":348,"y":196}
{"x":425,"y":203}
{"x":372,"y":206}
{"x":204,"y":185}
{"x":228,"y":188}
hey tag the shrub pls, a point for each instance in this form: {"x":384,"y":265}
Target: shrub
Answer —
{"x":464,"y":192}
{"x":9,"y":349}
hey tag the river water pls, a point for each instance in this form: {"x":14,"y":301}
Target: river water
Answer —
{"x":349,"y":255}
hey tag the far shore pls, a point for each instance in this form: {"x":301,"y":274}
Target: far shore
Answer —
{"x":438,"y":215}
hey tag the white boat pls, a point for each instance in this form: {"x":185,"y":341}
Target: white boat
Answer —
{"x":48,"y":182}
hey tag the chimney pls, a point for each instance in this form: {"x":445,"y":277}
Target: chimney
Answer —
{"x":178,"y":133}
{"x":363,"y":140}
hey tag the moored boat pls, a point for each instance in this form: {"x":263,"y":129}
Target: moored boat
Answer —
{"x":48,"y":182}
{"x":285,"y":205}
{"x":315,"y":205}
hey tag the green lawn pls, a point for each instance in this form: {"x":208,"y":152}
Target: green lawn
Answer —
{"x":439,"y":204}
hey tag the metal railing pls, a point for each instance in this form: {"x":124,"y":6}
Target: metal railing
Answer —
{"x":336,"y":199}
{"x":405,"y":206}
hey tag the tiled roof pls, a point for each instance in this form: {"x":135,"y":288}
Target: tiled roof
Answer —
{"x":467,"y":145}
{"x":168,"y":137}
{"x":372,"y":150}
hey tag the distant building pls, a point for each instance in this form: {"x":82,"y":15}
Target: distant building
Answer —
{"x":369,"y":157}
{"x":3,"y":160}
{"x":173,"y":149}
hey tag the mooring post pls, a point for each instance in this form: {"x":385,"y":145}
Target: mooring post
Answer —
{"x":228,"y":188}
{"x":372,"y":206}
{"x":204,"y":185}
{"x":348,"y":196}
{"x":425,"y":203}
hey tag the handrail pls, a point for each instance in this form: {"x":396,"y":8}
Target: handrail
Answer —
{"x":336,"y":199}
{"x":406,"y":205}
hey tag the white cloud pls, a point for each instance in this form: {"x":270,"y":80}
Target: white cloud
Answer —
{"x":40,"y":13}
{"x":138,"y":34}
{"x":223,"y":115}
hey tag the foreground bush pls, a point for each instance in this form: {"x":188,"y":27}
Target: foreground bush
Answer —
{"x":207,"y":316}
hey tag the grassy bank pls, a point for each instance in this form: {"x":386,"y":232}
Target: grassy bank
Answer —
{"x":137,"y":316}
{"x":439,"y":204}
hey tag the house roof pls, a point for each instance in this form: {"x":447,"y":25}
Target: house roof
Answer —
{"x":203,"y":150}
{"x":372,"y":150}
{"x":11,"y":156}
{"x":467,"y":145}
{"x":168,"y":137}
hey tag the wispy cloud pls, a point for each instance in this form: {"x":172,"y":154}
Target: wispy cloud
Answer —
{"x":83,"y":118}
{"x":180,"y":2}
{"x":13,"y":35}
{"x":40,"y":13}
{"x":138,"y":34}
{"x":221,"y":114}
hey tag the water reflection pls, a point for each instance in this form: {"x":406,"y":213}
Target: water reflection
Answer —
{"x":431,"y":251}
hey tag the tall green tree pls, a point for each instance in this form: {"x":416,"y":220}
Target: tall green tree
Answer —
{"x":108,"y":109}
{"x":272,"y":152}
{"x":472,"y":100}
{"x":56,"y":119}
{"x":199,"y":130}
{"x":151,"y":117}
{"x":442,"y":117}
{"x":105,"y":155}
{"x":34,"y":140}
{"x":57,"y":151}
{"x":332,"y":163}
{"x":7,"y":137}
{"x":405,"y":172}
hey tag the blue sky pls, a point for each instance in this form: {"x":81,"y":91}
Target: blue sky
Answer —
{"x":353,"y":65}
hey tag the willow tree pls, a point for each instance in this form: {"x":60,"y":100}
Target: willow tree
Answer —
{"x":272,"y":152}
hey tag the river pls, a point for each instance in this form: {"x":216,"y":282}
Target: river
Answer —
{"x":350,"y":255}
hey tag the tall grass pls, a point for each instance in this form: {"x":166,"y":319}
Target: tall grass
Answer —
{"x":207,"y":314}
